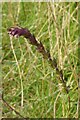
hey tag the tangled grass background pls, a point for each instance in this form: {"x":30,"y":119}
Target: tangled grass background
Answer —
{"x":30,"y":84}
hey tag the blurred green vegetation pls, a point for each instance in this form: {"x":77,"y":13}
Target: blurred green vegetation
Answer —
{"x":30,"y":85}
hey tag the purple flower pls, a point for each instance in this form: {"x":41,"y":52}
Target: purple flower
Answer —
{"x":17,"y":31}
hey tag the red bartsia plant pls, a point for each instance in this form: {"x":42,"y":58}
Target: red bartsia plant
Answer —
{"x":19,"y":31}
